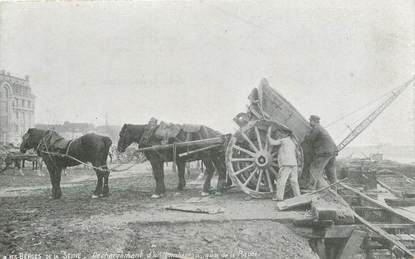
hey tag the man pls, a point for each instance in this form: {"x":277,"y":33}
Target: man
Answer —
{"x":325,"y":152}
{"x":288,"y":168}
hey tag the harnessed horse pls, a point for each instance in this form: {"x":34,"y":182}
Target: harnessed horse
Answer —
{"x":145,"y":137}
{"x":59,"y":153}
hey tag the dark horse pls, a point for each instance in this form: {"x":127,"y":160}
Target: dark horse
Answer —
{"x":53,"y":149}
{"x":135,"y":133}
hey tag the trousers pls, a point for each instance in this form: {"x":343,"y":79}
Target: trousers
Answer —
{"x":285,"y":173}
{"x":322,"y":164}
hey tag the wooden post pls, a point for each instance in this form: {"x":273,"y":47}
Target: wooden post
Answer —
{"x":353,"y":244}
{"x":321,"y":248}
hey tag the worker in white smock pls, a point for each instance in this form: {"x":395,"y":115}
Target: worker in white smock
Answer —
{"x":287,"y":162}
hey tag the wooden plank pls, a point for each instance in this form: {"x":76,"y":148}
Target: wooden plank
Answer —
{"x":396,"y":226}
{"x":295,"y":202}
{"x":281,"y":111}
{"x":387,"y":187}
{"x":313,"y":223}
{"x":352,"y":246}
{"x":345,"y":231}
{"x":191,"y":208}
{"x":303,"y":200}
{"x":331,"y":206}
{"x":378,"y":203}
{"x":189,"y":144}
{"x":340,"y":231}
{"x":367,"y":208}
{"x":400,"y":202}
{"x":404,"y":237}
{"x":199,"y":150}
{"x":388,"y":237}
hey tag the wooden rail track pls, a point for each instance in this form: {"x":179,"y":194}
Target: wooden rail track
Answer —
{"x":391,"y":234}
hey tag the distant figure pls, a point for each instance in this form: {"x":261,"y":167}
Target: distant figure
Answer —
{"x":325,"y":152}
{"x":288,"y":168}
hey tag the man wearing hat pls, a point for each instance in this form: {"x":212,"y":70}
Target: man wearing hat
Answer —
{"x":325,"y":152}
{"x":287,"y":162}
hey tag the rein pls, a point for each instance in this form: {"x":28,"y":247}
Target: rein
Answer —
{"x":66,"y":155}
{"x":114,"y":169}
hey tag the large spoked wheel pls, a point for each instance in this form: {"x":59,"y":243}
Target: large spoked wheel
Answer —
{"x":252,"y":162}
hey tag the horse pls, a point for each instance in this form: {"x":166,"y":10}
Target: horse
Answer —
{"x":141,"y":134}
{"x":59,"y":153}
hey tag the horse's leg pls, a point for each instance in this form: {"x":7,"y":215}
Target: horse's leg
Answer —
{"x":221,"y":168}
{"x":58,"y":174}
{"x":209,"y":173}
{"x":106,"y":189}
{"x":181,"y":170}
{"x":52,"y":174}
{"x":158,"y":173}
{"x":98,"y":188}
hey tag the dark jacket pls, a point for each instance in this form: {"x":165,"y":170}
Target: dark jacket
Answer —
{"x":321,"y":142}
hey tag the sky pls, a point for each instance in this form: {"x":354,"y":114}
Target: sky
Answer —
{"x":197,"y":61}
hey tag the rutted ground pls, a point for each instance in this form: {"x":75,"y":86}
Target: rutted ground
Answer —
{"x":130,"y":222}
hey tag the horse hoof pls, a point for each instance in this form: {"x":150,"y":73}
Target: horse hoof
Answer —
{"x":204,"y":194}
{"x":94,"y":196}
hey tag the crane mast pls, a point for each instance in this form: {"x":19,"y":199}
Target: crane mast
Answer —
{"x":367,"y":121}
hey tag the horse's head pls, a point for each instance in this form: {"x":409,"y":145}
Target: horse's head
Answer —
{"x":30,"y":139}
{"x":129,"y":133}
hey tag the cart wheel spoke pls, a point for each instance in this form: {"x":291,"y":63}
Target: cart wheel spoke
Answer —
{"x":244,"y":169}
{"x":252,"y":161}
{"x":267,"y":146}
{"x":259,"y":180}
{"x":249,"y":142}
{"x":258,"y":137}
{"x":246,"y":151}
{"x":251,"y":176}
{"x":243,"y":159}
{"x":270,"y":184}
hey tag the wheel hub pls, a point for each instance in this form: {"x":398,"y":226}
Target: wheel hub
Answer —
{"x":263,"y":159}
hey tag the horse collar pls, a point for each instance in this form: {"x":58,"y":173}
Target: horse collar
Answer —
{"x":149,"y":130}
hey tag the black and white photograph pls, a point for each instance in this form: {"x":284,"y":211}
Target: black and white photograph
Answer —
{"x":207,"y":129}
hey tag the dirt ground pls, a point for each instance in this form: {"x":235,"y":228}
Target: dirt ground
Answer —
{"x":129,"y":224}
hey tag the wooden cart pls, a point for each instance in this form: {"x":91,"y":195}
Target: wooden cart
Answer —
{"x":10,"y":157}
{"x":251,"y":161}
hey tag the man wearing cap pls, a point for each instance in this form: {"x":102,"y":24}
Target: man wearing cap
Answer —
{"x":325,"y":152}
{"x":287,"y":162}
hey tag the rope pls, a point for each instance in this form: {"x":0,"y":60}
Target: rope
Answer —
{"x":357,"y":110}
{"x":88,"y":165}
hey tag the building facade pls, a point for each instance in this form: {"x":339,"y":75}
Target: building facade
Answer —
{"x":17,"y":108}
